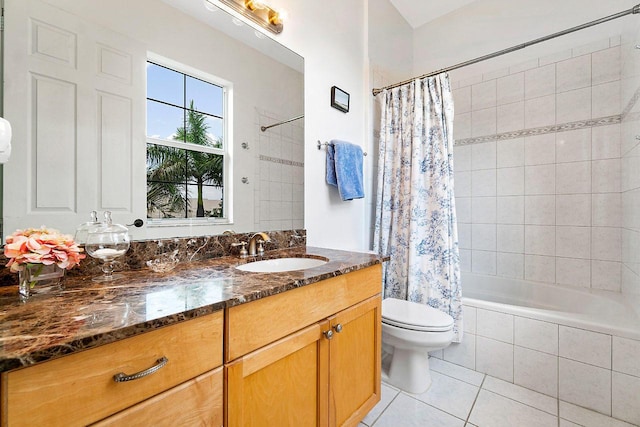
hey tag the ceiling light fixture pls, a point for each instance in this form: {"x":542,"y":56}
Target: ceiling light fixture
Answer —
{"x":258,"y":12}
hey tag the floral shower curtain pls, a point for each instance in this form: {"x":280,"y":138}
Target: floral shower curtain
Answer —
{"x":415,"y":206}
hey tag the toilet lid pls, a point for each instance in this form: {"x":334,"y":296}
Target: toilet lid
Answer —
{"x":411,"y":315}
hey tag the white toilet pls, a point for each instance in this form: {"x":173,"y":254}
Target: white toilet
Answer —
{"x":413,"y":330}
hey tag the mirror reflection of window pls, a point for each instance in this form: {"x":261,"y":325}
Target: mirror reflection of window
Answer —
{"x":185,"y":145}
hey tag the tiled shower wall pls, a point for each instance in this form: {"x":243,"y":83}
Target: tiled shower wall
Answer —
{"x":279,"y":175}
{"x":538,"y":169}
{"x":630,"y":151}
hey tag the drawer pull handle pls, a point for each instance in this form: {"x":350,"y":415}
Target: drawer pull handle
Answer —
{"x":338,"y":328}
{"x":122,"y":377}
{"x":328,"y":334}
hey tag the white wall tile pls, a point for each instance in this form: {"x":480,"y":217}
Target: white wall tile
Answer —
{"x":573,"y":105}
{"x":462,"y":99}
{"x":605,"y":65}
{"x":462,"y":182}
{"x":510,"y":210}
{"x":573,"y":73}
{"x":573,"y":272}
{"x":607,"y":210}
{"x":540,"y":210}
{"x":540,"y":149}
{"x":483,"y":95}
{"x":511,"y":181}
{"x":483,"y":122}
{"x":483,"y":156}
{"x":573,"y":242}
{"x":573,"y":209}
{"x":464,"y":236}
{"x":625,"y":356}
{"x":483,"y":237}
{"x":483,"y":182}
{"x":536,"y":335}
{"x":465,"y":260}
{"x":541,"y":111}
{"x":605,"y":142}
{"x":462,"y":157}
{"x":591,"y":47}
{"x":573,"y":178}
{"x":510,"y":238}
{"x":540,"y":81}
{"x":540,"y":240}
{"x":540,"y":179}
{"x":510,"y":265}
{"x":573,"y":146}
{"x":462,"y":129}
{"x":510,"y":153}
{"x":494,"y":358}
{"x":495,"y":325}
{"x":540,"y":268}
{"x":469,"y":316}
{"x":625,"y":395}
{"x":606,"y":275}
{"x":606,"y":243}
{"x":463,"y":209}
{"x":523,"y":66}
{"x":510,"y":117}
{"x":585,"y":417}
{"x":536,"y":371}
{"x":462,"y":353}
{"x":605,"y":176}
{"x":555,"y":57}
{"x":585,"y":346}
{"x":483,"y":262}
{"x":606,"y":99}
{"x":510,"y":88}
{"x":585,"y":385}
{"x":483,"y":210}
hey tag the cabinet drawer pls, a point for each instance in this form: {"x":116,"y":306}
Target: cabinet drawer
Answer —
{"x":196,"y":402}
{"x":79,"y":389}
{"x":258,"y":323}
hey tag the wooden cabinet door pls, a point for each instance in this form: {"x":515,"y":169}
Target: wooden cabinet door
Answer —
{"x":282,"y":384}
{"x":354,"y":366}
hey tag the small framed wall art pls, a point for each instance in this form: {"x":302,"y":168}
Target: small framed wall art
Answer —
{"x":339,"y":99}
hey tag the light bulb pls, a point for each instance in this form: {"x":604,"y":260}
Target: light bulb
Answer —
{"x":210,"y":6}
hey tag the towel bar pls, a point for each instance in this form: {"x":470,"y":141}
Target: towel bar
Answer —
{"x":324,"y":144}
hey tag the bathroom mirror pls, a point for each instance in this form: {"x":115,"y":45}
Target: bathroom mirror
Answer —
{"x":80,"y":136}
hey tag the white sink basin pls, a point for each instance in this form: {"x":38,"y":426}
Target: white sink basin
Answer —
{"x":281,"y":264}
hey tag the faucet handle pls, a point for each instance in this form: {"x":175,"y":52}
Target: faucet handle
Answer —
{"x":260,"y":249}
{"x":243,"y":250}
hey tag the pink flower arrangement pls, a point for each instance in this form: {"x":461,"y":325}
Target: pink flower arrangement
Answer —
{"x":41,"y":246}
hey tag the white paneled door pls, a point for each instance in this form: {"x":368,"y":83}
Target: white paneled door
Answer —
{"x":75,"y":96}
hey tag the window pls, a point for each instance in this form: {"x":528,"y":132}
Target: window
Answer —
{"x":186,"y":145}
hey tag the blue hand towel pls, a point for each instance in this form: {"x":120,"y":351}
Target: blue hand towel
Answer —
{"x":344,"y":169}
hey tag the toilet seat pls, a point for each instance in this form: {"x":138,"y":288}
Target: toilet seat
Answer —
{"x":414,"y":316}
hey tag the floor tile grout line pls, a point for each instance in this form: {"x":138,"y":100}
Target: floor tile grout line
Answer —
{"x":522,"y":403}
{"x":484,"y":377}
{"x":385,"y":408}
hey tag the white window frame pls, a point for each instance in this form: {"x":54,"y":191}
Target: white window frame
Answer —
{"x":226,"y":151}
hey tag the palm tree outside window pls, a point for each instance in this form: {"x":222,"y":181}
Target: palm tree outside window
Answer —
{"x":185,"y":145}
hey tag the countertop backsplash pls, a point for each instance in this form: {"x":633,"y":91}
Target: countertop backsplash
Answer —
{"x":185,"y":248}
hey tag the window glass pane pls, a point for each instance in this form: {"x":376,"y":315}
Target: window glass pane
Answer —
{"x":210,"y":204}
{"x":206,"y":168}
{"x":164,"y":84}
{"x":163,"y":120}
{"x":206,"y":97}
{"x":215,"y":131}
{"x":166,"y":188}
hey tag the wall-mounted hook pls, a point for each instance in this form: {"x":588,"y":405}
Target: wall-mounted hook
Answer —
{"x":245,"y":145}
{"x":245,"y":180}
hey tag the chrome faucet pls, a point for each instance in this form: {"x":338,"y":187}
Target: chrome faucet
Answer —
{"x":258,"y":238}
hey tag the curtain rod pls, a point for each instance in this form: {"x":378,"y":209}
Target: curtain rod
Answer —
{"x":633,"y":10}
{"x":263,"y":128}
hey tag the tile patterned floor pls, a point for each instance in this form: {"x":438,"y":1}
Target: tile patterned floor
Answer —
{"x":460,"y":397}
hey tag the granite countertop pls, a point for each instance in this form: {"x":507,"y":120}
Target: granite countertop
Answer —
{"x":87,"y":313}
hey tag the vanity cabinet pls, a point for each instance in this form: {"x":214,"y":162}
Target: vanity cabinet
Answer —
{"x":79,"y":389}
{"x":306,"y":357}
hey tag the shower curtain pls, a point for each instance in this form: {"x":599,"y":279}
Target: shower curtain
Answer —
{"x":415,"y":206}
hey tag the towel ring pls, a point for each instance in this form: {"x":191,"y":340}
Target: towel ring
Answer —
{"x":324,"y":144}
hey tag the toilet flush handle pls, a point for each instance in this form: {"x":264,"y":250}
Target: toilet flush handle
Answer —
{"x":338,"y":327}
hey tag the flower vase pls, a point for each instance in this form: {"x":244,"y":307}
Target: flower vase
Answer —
{"x":37,"y":279}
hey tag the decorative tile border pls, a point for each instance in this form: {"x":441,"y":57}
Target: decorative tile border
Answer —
{"x":602,"y":121}
{"x":281,"y":161}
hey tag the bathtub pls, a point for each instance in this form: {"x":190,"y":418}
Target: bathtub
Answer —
{"x":579,"y":346}
{"x":600,"y":311}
